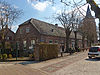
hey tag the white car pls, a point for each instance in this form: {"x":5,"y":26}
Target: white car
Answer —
{"x":94,"y":51}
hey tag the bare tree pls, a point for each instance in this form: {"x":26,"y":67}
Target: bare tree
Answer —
{"x":68,"y":21}
{"x":8,"y":15}
{"x":88,"y":30}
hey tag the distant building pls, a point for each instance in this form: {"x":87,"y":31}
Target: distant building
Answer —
{"x":90,"y":24}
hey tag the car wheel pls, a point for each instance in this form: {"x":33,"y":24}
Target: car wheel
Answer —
{"x":89,"y":57}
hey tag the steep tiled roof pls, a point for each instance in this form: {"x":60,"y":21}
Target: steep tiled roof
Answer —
{"x":6,"y":30}
{"x":49,"y":29}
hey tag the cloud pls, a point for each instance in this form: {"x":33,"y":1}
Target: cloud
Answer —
{"x":40,"y":6}
{"x":15,"y":6}
{"x":54,"y":8}
{"x":29,"y":1}
{"x":59,"y":11}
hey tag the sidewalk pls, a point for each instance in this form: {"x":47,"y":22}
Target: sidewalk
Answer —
{"x":53,"y":65}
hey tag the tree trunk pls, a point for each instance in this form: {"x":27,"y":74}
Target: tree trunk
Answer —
{"x":3,"y":47}
{"x":83,"y":41}
{"x":67,"y":44}
{"x":90,"y":44}
{"x":75,"y":39}
{"x":67,"y":40}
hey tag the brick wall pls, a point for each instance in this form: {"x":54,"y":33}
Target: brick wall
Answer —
{"x":9,"y":37}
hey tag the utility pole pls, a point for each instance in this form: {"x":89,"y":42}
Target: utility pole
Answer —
{"x":99,"y":30}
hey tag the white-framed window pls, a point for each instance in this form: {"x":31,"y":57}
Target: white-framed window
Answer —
{"x":27,"y":29}
{"x":73,"y":44}
{"x":62,"y":41}
{"x":24,"y":43}
{"x":50,"y":42}
{"x":32,"y":42}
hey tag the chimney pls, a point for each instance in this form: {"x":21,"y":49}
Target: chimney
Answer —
{"x":56,"y":25}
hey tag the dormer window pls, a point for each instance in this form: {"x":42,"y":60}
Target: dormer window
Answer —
{"x":27,"y":29}
{"x":52,"y":30}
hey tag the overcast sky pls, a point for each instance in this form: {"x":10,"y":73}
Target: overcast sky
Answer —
{"x":39,"y":10}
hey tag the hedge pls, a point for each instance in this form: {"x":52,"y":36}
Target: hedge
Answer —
{"x":46,"y":51}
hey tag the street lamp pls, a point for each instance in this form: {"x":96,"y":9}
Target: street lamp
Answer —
{"x":99,"y":30}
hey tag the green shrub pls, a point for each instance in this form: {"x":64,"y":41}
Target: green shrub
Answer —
{"x":1,"y":56}
{"x":4,"y":56}
{"x":10,"y":55}
{"x":31,"y":55}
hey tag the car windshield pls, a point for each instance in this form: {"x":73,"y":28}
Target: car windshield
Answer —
{"x":92,"y":48}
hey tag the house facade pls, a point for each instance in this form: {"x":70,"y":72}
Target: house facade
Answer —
{"x":9,"y":40}
{"x":35,"y":31}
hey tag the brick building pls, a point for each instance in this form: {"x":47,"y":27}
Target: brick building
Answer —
{"x":35,"y":31}
{"x":9,"y":38}
{"x":89,"y":25}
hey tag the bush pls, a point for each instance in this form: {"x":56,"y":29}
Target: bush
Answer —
{"x":4,"y":56}
{"x":10,"y":55}
{"x":1,"y":56}
{"x":31,"y":55}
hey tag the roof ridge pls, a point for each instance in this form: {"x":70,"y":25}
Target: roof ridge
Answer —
{"x":34,"y":24}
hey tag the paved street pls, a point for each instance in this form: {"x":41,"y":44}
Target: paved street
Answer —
{"x":11,"y":69}
{"x":76,"y":64}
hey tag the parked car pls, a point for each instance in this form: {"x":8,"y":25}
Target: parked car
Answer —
{"x":94,"y":51}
